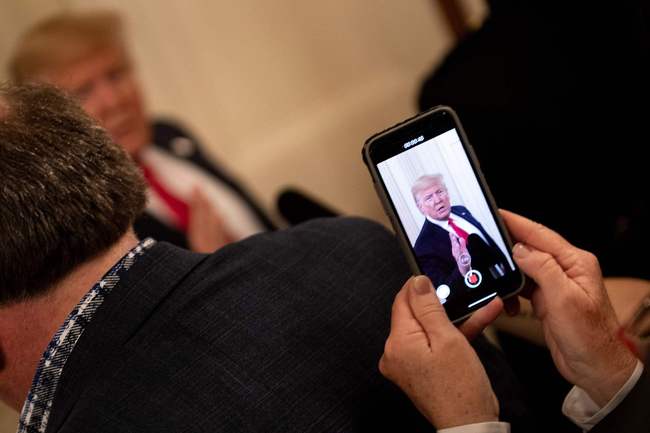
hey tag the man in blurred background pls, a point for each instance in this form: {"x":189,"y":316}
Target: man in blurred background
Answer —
{"x":192,"y":201}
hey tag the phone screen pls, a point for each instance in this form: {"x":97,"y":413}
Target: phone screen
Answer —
{"x":443,"y":210}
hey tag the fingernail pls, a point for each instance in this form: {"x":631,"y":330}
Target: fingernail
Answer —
{"x":521,"y":250}
{"x":422,"y":285}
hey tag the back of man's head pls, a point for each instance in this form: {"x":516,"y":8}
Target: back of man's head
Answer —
{"x":67,"y":192}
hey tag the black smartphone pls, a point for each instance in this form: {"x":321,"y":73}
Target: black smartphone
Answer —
{"x":431,"y":186}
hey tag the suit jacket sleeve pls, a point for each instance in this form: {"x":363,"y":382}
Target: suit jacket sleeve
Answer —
{"x":633,"y":414}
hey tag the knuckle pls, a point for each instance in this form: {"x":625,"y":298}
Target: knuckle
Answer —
{"x":447,"y":341}
{"x":546,"y":262}
{"x":388,"y":348}
{"x":590,"y":260}
{"x":394,"y":307}
{"x":571,"y":298}
{"x":428,"y":315}
{"x":388,"y":345}
{"x":383,"y":367}
{"x":538,"y":230}
{"x":584,"y":264}
{"x":392,"y":350}
{"x":387,"y":369}
{"x":430,"y":309}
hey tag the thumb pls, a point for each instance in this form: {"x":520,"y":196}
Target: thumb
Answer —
{"x":426,"y":306}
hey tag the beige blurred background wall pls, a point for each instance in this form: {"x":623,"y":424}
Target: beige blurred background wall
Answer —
{"x":284,"y":92}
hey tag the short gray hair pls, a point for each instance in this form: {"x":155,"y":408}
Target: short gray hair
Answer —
{"x":67,"y":191}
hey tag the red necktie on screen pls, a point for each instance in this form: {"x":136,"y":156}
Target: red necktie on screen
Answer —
{"x":179,"y":208}
{"x":460,"y":232}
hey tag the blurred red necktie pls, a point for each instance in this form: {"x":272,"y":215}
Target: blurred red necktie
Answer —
{"x":179,"y":208}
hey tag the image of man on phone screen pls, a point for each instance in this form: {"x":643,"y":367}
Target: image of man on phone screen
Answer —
{"x":452,"y":248}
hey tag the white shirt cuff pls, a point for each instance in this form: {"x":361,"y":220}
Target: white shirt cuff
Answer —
{"x":481,"y":427}
{"x":585,"y":413}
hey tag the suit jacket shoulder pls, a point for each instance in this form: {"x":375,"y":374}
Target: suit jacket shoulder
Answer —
{"x":464,"y":213}
{"x":460,"y":210}
{"x":277,"y":333}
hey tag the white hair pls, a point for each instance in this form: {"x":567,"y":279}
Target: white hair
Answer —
{"x":425,"y":181}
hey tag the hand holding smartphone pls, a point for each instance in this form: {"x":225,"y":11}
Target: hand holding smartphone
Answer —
{"x":431,"y":186}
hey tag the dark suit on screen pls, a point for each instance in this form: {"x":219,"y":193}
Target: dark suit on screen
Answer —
{"x":433,"y":251}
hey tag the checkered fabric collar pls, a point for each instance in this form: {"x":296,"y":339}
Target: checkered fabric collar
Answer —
{"x":36,"y":410}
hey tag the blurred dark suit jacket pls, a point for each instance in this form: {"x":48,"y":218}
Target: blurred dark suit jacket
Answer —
{"x":166,"y":135}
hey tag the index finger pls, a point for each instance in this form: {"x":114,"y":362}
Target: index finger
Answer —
{"x":481,"y":318}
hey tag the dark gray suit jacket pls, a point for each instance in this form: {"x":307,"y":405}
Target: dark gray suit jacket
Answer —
{"x":281,"y":332}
